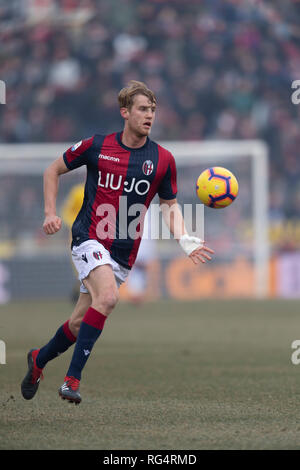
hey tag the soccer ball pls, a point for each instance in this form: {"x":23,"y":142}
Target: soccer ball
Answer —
{"x":217,"y":187}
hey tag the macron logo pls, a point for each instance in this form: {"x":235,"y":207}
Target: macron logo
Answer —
{"x":86,"y":352}
{"x":108,"y":157}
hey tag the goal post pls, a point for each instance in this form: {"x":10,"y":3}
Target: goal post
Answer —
{"x":211,"y":152}
{"x":244,"y":225}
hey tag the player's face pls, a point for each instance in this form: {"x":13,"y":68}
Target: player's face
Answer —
{"x":140,"y":116}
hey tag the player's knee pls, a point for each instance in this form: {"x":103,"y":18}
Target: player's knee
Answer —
{"x":74,"y":325}
{"x":106,"y":302}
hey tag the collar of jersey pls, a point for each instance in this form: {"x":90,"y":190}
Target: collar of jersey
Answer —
{"x":119,"y":136}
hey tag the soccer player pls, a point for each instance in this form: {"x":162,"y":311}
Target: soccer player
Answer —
{"x":123,"y":169}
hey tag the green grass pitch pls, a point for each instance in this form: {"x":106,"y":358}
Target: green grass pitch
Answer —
{"x":165,"y":375}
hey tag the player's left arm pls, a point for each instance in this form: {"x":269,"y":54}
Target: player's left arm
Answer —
{"x":194,"y":247}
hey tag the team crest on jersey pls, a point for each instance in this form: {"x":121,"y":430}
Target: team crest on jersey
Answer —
{"x":76,"y":146}
{"x":147,"y":167}
{"x":97,"y":255}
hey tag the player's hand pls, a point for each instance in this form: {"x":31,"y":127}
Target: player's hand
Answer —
{"x":195,"y":248}
{"x":201,"y":254}
{"x":52,"y":224}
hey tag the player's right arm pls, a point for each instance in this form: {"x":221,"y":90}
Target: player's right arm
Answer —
{"x":73,"y":158}
{"x":52,"y":222}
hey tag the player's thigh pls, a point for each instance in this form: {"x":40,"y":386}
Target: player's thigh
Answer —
{"x":102,"y":286}
{"x":80,"y":309}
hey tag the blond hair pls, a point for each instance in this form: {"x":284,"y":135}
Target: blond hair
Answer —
{"x":127,"y":94}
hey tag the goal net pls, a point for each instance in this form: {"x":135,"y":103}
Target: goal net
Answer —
{"x":33,"y":265}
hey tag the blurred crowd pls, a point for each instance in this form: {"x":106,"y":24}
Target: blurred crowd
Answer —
{"x":221,"y":69}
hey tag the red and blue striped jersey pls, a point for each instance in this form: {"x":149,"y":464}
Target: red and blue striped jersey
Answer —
{"x":118,"y":179}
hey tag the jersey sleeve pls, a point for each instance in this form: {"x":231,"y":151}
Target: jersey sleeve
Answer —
{"x":78,"y":154}
{"x":168,"y":186}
